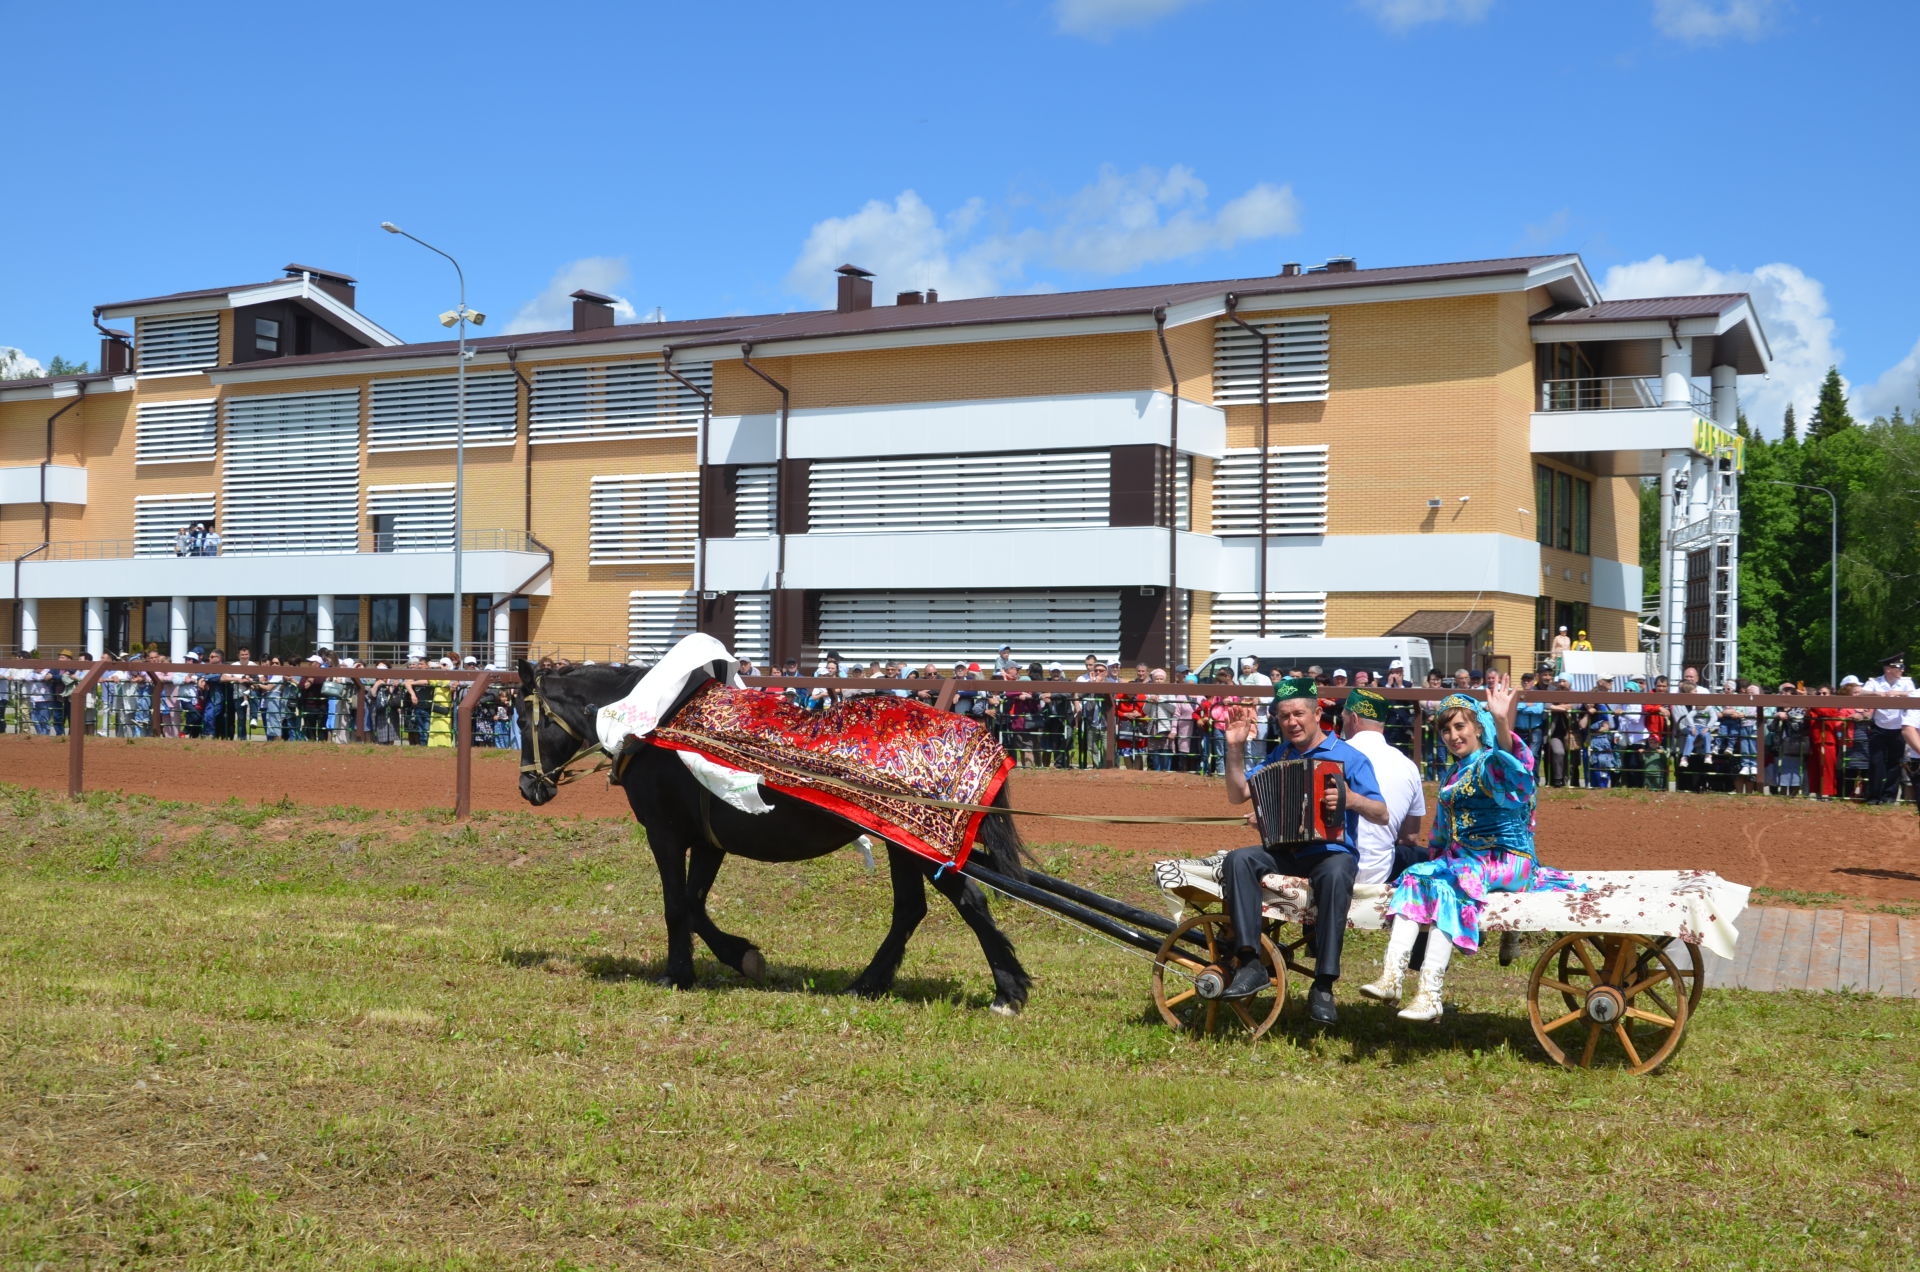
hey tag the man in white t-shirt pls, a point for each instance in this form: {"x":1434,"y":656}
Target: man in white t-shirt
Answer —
{"x":1885,"y":739}
{"x":1384,"y":850}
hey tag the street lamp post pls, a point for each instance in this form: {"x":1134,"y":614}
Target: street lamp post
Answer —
{"x":458,"y":319}
{"x":1833,"y":581}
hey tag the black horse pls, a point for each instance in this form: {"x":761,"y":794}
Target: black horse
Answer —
{"x":691,"y":833}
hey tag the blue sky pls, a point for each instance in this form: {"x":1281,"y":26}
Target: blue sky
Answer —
{"x":719,"y":159}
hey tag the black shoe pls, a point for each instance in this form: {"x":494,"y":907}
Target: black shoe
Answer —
{"x":1251,"y":979}
{"x":1509,"y":948}
{"x":1320,"y":1008}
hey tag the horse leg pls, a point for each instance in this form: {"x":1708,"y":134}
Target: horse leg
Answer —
{"x":1010,"y":980}
{"x":736,"y":952}
{"x":670,"y":858}
{"x":909,"y":907}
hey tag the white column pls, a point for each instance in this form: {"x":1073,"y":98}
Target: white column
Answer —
{"x":1732,"y":668}
{"x":1672,"y":582}
{"x":1676,"y":370}
{"x":323,"y":622}
{"x":502,"y":616}
{"x":178,"y":629}
{"x":29,"y":624}
{"x":1726,"y":398}
{"x":417,"y":625}
{"x":96,"y":626}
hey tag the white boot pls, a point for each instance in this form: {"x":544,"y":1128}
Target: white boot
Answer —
{"x":1394,"y":970}
{"x":1426,"y":1004}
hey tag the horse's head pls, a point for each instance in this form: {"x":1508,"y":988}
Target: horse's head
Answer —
{"x":553,"y":729}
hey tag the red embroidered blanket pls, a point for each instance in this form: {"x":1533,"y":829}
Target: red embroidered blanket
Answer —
{"x":877,"y":741}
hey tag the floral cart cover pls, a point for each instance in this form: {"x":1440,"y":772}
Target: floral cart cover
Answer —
{"x":1693,"y":905}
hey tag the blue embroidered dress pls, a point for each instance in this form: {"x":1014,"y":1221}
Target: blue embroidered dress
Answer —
{"x":1483,"y":840}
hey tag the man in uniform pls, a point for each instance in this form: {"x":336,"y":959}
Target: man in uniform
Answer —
{"x":1329,"y":867}
{"x":1886,"y":743}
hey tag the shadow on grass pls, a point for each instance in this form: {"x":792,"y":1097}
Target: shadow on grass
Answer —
{"x":712,"y":977}
{"x":1373,"y":1031}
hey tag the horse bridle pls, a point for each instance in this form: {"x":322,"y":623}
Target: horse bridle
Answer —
{"x":542,"y":709}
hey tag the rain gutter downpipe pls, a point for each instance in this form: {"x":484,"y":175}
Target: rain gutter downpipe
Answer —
{"x":700,"y":468}
{"x":526,"y":484}
{"x":1266,"y":423}
{"x":46,"y":515}
{"x":1169,"y":489}
{"x":779,"y":499}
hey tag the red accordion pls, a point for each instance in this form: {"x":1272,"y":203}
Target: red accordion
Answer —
{"x":1288,"y":802}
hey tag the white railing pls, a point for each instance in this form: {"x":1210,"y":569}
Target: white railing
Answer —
{"x":1615,"y":393}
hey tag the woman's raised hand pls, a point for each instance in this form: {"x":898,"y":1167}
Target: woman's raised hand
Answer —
{"x":1503,"y":700}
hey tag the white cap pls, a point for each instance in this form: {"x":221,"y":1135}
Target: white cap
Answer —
{"x":1396,"y":665}
{"x":1563,"y":627}
{"x":1850,"y":680}
{"x":1339,"y":671}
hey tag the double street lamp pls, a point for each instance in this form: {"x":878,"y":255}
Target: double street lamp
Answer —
{"x":457,"y":318}
{"x":1833,"y":580}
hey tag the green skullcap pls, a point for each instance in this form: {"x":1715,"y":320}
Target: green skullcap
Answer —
{"x":1367,"y":704}
{"x":1294,"y":687}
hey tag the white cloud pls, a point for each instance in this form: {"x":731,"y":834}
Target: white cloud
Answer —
{"x":1099,"y":19}
{"x":1550,"y":230}
{"x":1900,"y":387}
{"x":16,"y":365}
{"x":552,"y":309}
{"x":1705,"y":21}
{"x":1793,"y":312}
{"x":1403,"y":15}
{"x":1116,"y":224}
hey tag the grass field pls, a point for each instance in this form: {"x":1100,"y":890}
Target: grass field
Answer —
{"x":263,"y":1037}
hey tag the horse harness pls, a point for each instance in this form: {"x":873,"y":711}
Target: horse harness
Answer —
{"x":540,"y":710}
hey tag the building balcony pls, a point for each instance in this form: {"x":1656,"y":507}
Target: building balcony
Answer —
{"x":491,"y":561}
{"x":1623,"y":424}
{"x":1616,"y":393}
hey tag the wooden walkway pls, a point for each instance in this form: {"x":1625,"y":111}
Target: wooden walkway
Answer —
{"x":1822,"y":950}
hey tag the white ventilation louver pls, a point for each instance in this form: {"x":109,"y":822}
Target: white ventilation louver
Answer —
{"x":960,"y":492}
{"x":753,"y":627}
{"x":178,"y":345}
{"x":1297,"y":360}
{"x":616,"y":400}
{"x":1296,"y":491}
{"x":655,"y":622}
{"x":158,"y":519}
{"x":423,"y":413}
{"x":421,"y":517}
{"x":642,"y":519}
{"x":291,"y":478}
{"x":948,"y":627}
{"x":753,"y":500}
{"x":1236,"y":615}
{"x":174,"y":432}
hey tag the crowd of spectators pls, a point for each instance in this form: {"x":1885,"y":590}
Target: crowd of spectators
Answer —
{"x":1817,"y":752}
{"x":197,"y":538}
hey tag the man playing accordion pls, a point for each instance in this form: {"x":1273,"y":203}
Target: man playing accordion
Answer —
{"x":1328,"y":864}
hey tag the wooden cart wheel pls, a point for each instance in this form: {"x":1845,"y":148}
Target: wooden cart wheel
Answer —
{"x":1693,"y":976}
{"x":1605,"y":993}
{"x":1179,"y":965}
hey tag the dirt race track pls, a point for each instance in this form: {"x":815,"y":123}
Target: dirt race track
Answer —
{"x":1869,"y":853}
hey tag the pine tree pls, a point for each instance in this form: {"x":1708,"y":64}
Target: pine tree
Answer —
{"x":60,"y":366}
{"x":1742,"y":427}
{"x":1789,"y":431}
{"x":1830,"y":414}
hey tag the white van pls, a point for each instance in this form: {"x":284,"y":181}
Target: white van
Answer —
{"x":1276,"y":654}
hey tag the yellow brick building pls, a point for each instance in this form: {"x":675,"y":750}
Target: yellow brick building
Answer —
{"x":1140,"y":472}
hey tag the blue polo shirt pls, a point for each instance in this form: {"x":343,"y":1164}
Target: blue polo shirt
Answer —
{"x":1359,"y":771}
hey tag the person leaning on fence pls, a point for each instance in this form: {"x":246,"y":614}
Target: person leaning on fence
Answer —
{"x":1885,"y":738}
{"x":1482,"y":842}
{"x":1329,"y":867}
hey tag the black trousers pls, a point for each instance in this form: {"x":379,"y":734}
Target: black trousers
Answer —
{"x":1328,"y":872}
{"x":1886,"y":749}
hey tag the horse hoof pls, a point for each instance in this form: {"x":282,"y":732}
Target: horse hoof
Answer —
{"x":753,"y":967}
{"x":1008,"y":1010}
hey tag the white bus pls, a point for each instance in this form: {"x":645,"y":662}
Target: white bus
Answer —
{"x":1372,"y":654}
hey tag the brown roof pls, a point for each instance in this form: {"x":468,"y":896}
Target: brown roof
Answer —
{"x":526,"y":340}
{"x":1654,"y":307}
{"x":34,"y":382}
{"x":198,"y":294}
{"x":1442,"y":623}
{"x":1113,"y":300}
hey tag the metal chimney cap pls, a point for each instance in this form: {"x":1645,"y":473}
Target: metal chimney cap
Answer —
{"x":854,"y":271}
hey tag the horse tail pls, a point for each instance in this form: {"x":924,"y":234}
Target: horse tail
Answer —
{"x":1000,"y":839}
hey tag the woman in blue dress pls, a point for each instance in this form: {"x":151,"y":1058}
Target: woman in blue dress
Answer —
{"x":1482,"y":842}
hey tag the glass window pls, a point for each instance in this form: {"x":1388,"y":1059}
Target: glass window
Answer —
{"x":1543,"y":504}
{"x":266,"y":335}
{"x":1563,"y":510}
{"x":482,"y":618}
{"x":346,"y":625}
{"x":439,"y":623}
{"x":202,"y":617}
{"x":243,"y":626}
{"x":387,"y":624}
{"x":1582,"y":516}
{"x":156,"y":625}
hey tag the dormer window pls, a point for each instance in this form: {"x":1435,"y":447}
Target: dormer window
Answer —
{"x":266,"y":335}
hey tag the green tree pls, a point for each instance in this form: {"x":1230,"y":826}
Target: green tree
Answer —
{"x":60,"y":366}
{"x":1789,"y":430}
{"x":1830,"y":414}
